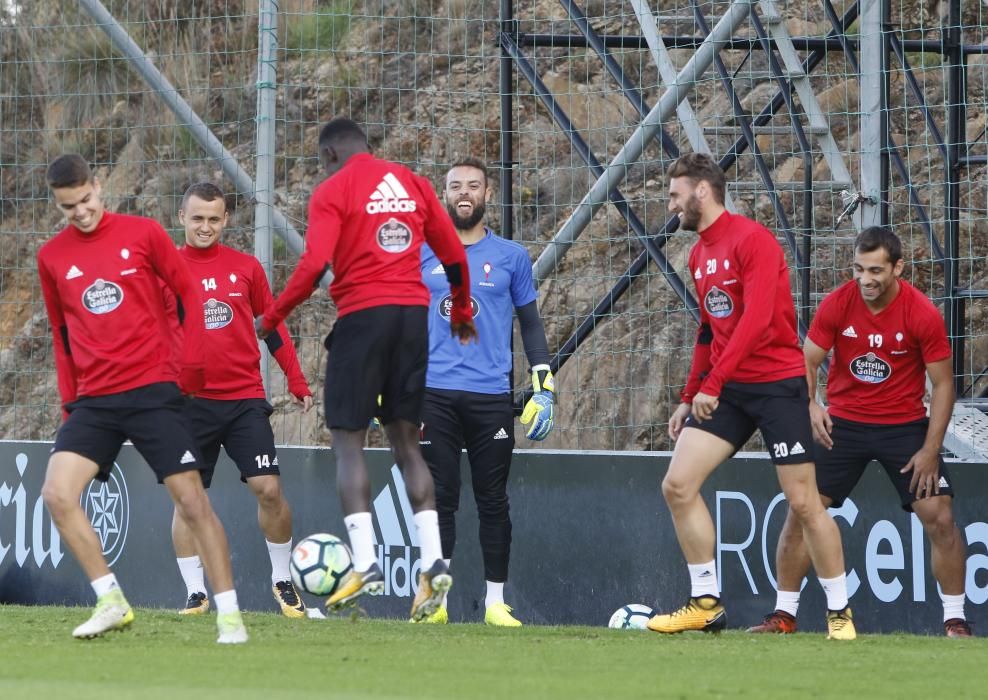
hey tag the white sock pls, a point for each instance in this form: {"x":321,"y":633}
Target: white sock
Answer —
{"x":427,"y":523}
{"x":703,"y":579}
{"x":105,"y":584}
{"x":495,"y":593}
{"x":836,"y":590}
{"x":953,"y":606}
{"x":360,"y":528}
{"x":192,"y":574}
{"x":280,"y":555}
{"x":226,"y":601}
{"x":787,"y":601}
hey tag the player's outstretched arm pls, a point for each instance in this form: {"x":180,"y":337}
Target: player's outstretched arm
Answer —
{"x":320,"y":244}
{"x":279,"y":341}
{"x":441,"y":237}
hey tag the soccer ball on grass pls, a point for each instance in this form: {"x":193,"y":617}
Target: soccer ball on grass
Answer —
{"x":633,"y":616}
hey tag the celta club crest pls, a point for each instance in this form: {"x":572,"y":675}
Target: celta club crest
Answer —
{"x":107,"y":505}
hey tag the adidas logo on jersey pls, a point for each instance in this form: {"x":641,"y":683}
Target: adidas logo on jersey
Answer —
{"x":849,"y":332}
{"x":943,"y":483}
{"x":389,"y":197}
{"x":73,"y":273}
{"x":187,"y":458}
{"x":501,"y":435}
{"x":399,"y":562}
{"x":797,"y":449}
{"x":438,"y":270}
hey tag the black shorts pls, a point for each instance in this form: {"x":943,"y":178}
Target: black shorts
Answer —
{"x":241,"y":427}
{"x":857,"y":444}
{"x":381,"y":351}
{"x":150,"y":416}
{"x":780,"y":409}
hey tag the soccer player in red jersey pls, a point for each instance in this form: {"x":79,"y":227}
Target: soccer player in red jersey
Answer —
{"x":101,"y":277}
{"x":369,"y":220}
{"x":747,"y":373}
{"x":886,"y":337}
{"x":231,"y":410}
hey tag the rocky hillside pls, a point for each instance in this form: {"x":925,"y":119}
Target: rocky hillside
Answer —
{"x":423,"y":76}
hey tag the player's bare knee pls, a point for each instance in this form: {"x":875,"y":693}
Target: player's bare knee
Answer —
{"x":268,"y":492}
{"x":676,"y":491}
{"x":940,"y":526}
{"x":57,"y":498}
{"x":804,"y":506}
{"x":193,"y":506}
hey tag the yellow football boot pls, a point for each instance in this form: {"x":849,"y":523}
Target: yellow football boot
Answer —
{"x":703,"y":614}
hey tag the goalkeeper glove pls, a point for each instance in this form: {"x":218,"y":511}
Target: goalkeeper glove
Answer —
{"x":539,"y":410}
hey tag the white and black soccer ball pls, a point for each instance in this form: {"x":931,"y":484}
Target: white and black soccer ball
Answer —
{"x":633,"y":616}
{"x":319,"y":563}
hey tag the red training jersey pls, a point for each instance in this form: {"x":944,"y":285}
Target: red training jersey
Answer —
{"x":104,"y":303}
{"x":368,"y":221}
{"x":233,"y":290}
{"x":878,"y":371}
{"x":747,"y":316}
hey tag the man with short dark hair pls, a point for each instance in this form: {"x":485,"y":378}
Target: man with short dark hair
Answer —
{"x":468,"y":396}
{"x":368,"y":220}
{"x":747,"y":374}
{"x":886,"y":336}
{"x":100,"y":277}
{"x":231,"y":410}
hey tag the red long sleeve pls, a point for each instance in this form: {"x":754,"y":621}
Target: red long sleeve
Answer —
{"x":701,"y":360}
{"x":280,"y":341}
{"x":64,"y":368}
{"x":743,"y":284}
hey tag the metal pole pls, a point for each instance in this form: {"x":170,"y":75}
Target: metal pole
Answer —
{"x":508,"y":28}
{"x":871,"y":82}
{"x":267,"y":57}
{"x":646,"y":131}
{"x":189,"y":119}
{"x":956,"y":136}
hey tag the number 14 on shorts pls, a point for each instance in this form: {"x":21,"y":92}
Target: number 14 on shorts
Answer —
{"x":264,"y":461}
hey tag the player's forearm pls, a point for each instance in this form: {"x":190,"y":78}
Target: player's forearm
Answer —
{"x":533,"y":334}
{"x":812,"y":372}
{"x":64,"y":367}
{"x":286,"y":357}
{"x":701,"y":364}
{"x":941,"y":409}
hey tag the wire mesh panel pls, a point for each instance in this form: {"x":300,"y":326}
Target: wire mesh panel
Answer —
{"x":780,"y":105}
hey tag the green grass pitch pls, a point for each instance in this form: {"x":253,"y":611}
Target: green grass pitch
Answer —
{"x":165,"y":656}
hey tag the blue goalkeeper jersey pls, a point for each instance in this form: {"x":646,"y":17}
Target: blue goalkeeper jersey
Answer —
{"x":500,"y":281}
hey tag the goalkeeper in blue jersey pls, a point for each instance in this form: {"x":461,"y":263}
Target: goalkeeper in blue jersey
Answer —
{"x":468,"y":400}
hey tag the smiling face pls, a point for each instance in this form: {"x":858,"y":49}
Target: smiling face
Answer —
{"x":81,"y":204}
{"x":877,"y":277}
{"x":467,"y":194}
{"x":204,"y":221}
{"x":684,"y":200}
